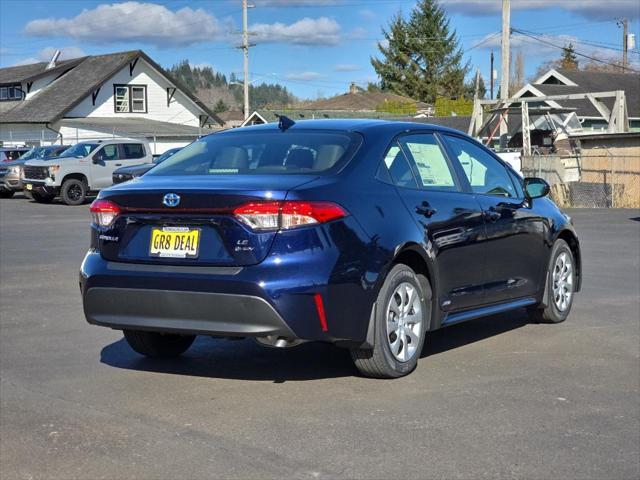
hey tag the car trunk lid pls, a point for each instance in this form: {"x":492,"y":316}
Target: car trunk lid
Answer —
{"x":202,"y":214}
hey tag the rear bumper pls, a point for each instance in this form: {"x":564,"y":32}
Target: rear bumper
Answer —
{"x":183,"y":312}
{"x":273,"y":298}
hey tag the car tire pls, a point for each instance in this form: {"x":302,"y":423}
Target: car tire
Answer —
{"x":384,"y":360}
{"x":6,"y":193}
{"x":41,"y":197}
{"x":74,"y":191}
{"x":560,"y":286}
{"x":153,"y":344}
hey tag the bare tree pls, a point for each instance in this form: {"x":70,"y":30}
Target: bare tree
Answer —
{"x":517,"y":75}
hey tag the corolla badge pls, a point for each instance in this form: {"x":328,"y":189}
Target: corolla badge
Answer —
{"x":171,"y":200}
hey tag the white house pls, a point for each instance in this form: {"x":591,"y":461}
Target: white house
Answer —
{"x":99,"y":96}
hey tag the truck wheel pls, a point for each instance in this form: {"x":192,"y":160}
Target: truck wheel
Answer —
{"x":42,"y":198}
{"x":6,"y":193}
{"x":402,"y":316}
{"x":561,"y":280}
{"x":153,"y":344}
{"x":74,"y":191}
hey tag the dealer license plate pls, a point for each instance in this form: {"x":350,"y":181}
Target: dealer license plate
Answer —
{"x":175,"y":242}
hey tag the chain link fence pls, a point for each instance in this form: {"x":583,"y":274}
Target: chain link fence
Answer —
{"x":599,"y":177}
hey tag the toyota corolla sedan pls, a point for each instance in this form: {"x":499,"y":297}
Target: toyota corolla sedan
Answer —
{"x":362,"y":233}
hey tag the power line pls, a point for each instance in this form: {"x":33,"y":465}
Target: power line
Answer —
{"x":595,"y":59}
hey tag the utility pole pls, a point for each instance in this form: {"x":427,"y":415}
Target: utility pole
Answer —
{"x":504,"y":80}
{"x":245,"y":50}
{"x":491,"y":75}
{"x":624,"y":23}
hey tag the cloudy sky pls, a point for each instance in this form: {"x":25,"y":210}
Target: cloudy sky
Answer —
{"x":314,"y":47}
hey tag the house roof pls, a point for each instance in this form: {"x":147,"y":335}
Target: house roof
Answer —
{"x":302,"y":114}
{"x":460,"y":123}
{"x":134,"y":127}
{"x":595,"y":82}
{"x":231,"y":115}
{"x":24,"y":73}
{"x":60,"y":96}
{"x":360,"y":101}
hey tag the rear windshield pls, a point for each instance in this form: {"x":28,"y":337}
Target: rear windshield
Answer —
{"x":272,"y":152}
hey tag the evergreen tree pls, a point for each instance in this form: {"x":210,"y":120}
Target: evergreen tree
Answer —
{"x":220,"y":107}
{"x":569,"y":59}
{"x":421,"y":58}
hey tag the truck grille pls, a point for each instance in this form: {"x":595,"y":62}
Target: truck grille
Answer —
{"x":36,"y":173}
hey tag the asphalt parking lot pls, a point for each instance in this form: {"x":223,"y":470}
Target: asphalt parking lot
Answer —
{"x":498,"y":397}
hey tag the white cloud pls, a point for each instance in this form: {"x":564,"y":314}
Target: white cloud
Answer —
{"x":308,"y":31}
{"x":367,"y":14}
{"x":46,"y":54}
{"x":594,"y":9}
{"x":303,"y":76}
{"x":347,"y":67}
{"x":132,"y":22}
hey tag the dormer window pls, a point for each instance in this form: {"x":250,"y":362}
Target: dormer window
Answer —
{"x":11,"y":92}
{"x":130,"y":98}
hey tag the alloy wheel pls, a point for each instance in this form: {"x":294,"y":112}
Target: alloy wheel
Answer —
{"x":563,"y":282}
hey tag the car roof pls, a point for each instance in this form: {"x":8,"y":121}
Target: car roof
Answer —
{"x":116,"y":140}
{"x":351,"y":124}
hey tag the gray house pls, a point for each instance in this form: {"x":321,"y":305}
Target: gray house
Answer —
{"x":562,"y":82}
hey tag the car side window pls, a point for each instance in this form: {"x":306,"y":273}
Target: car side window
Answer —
{"x":108,"y":152}
{"x":431,"y":165}
{"x":133,"y":150}
{"x":486,"y":175}
{"x":397,"y":168}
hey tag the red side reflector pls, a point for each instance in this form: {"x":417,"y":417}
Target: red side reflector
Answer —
{"x":321,"y":315}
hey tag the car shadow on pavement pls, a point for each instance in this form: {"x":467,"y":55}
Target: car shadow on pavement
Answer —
{"x":240,"y":360}
{"x":465,"y":333}
{"x":246,"y":360}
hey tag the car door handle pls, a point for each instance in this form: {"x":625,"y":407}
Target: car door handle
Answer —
{"x":492,"y":215}
{"x":118,"y":164}
{"x":426,"y":210}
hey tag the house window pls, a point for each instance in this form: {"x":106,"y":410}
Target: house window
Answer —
{"x":11,"y":92}
{"x":130,"y":98}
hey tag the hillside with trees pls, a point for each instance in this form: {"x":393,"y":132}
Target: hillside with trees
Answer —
{"x":222,"y":94}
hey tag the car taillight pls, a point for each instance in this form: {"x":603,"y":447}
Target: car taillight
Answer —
{"x":287,"y":215}
{"x":104,"y":212}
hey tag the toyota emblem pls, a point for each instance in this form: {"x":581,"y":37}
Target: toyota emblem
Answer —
{"x":171,"y":200}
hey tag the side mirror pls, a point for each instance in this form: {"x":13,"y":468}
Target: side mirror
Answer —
{"x":97,"y":158}
{"x":535,"y":188}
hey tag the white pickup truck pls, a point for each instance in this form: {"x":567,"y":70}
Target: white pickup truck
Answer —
{"x":82,"y":169}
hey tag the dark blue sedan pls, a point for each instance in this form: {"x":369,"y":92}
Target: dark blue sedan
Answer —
{"x":366,"y":234}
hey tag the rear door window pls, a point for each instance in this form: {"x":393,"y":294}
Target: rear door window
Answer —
{"x":427,"y":158}
{"x":132,"y":150}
